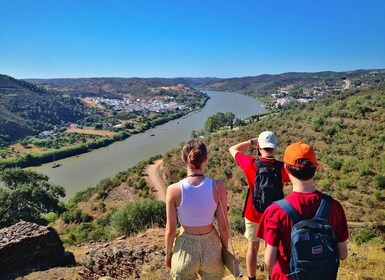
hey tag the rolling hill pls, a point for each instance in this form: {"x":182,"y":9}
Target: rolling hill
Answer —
{"x":26,"y":109}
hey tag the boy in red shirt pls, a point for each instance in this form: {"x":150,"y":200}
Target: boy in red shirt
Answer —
{"x":275,"y":226}
{"x":266,"y":144}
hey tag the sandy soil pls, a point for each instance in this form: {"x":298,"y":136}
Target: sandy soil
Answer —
{"x":347,"y":84}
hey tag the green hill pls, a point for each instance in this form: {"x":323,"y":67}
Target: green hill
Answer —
{"x":26,"y":109}
{"x":298,"y":84}
{"x":346,"y":130}
{"x":116,"y":87}
{"x":30,"y":106}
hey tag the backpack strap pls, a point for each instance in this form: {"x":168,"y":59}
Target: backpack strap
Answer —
{"x":259,"y":164}
{"x":290,"y":210}
{"x":277,"y":164}
{"x":324,"y":207}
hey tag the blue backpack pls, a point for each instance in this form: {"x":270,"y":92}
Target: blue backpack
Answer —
{"x":314,"y":252}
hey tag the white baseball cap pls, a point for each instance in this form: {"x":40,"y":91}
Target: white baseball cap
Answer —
{"x":267,"y":139}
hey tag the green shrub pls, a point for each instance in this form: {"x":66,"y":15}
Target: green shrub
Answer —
{"x":377,"y":240}
{"x":75,"y":216}
{"x":336,"y":164}
{"x":364,"y":236}
{"x":379,"y":181}
{"x":50,"y":217}
{"x":237,"y":224}
{"x":378,"y":196}
{"x":139,"y":215}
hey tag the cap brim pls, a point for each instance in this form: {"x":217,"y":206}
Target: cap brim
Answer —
{"x":267,"y":145}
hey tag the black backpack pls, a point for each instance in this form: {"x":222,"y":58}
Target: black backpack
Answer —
{"x":314,"y":251}
{"x":267,"y":185}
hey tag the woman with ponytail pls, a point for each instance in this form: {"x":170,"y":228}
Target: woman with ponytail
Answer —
{"x":194,"y":201}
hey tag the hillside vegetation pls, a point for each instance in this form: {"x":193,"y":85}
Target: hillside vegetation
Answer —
{"x":59,"y":118}
{"x":296,"y":85}
{"x":26,"y":109}
{"x":347,"y":131}
{"x":345,"y":128}
{"x":116,"y":87}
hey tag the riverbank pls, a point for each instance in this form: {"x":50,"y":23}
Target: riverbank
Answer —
{"x":39,"y":158}
{"x":79,"y":173}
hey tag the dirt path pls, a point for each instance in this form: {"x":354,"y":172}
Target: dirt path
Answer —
{"x":155,"y":181}
{"x":347,"y":84}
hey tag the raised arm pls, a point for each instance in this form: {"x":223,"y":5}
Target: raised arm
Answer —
{"x":240,"y":147}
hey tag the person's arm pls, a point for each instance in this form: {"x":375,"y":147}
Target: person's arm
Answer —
{"x":342,"y":250}
{"x":270,"y":257}
{"x":222,"y":215}
{"x":170,"y":224}
{"x":240,"y":147}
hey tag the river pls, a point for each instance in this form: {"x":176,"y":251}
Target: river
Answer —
{"x":86,"y":170}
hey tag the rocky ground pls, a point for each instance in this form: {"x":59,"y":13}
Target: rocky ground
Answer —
{"x":137,"y":257}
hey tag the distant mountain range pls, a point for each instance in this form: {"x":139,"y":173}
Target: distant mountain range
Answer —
{"x":115,"y":87}
{"x":257,"y":86}
{"x":265,"y":85}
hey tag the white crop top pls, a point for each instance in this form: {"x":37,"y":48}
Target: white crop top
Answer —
{"x":197,"y":207}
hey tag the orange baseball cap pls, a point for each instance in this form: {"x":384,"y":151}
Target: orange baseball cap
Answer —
{"x":297,"y":151}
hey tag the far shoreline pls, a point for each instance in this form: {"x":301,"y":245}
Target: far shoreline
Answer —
{"x":33,"y":160}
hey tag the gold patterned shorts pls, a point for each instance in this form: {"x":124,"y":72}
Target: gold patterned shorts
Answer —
{"x":195,"y":255}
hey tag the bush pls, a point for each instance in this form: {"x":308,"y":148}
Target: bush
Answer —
{"x":236,"y":221}
{"x":50,"y":217}
{"x":336,"y":164}
{"x":379,"y":181}
{"x":139,"y":215}
{"x":75,"y":216}
{"x":237,"y":224}
{"x":364,"y":236}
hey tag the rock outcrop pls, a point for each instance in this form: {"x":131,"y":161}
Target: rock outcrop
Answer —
{"x":27,"y":246}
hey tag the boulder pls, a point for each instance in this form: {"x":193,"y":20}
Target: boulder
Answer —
{"x":27,"y":246}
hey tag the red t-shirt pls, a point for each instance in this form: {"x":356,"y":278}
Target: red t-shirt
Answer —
{"x":275,"y":226}
{"x":247,"y":164}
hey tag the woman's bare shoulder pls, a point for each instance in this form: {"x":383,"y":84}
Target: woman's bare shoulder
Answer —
{"x":173,"y":189}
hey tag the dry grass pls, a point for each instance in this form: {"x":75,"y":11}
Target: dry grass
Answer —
{"x":92,"y":104}
{"x":365,"y":262}
{"x":17,"y":147}
{"x":91,"y":131}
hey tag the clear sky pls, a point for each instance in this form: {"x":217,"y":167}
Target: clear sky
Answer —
{"x":188,"y":38}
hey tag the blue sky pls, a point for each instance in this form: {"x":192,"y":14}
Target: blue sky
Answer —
{"x":195,"y":38}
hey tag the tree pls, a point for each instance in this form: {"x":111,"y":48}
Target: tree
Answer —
{"x":219,"y":120}
{"x":26,"y":196}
